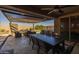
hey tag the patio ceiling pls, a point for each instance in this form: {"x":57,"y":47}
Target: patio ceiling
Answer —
{"x":37,"y":13}
{"x":28,"y":16}
{"x":50,"y":10}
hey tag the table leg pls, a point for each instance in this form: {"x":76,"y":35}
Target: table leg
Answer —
{"x":63,"y":43}
{"x":38,"y":50}
{"x":53,"y":50}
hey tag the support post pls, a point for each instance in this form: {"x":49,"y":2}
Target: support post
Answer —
{"x":57,"y":25}
{"x":33,"y":26}
{"x":10,"y":27}
{"x":69,"y":28}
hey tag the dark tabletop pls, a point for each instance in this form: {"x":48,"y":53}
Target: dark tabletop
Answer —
{"x":47,"y":39}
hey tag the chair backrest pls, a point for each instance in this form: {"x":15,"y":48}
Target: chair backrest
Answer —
{"x":70,"y":48}
{"x":34,"y":41}
{"x":42,"y":32}
{"x":33,"y":32}
{"x":41,"y":44}
{"x":48,"y":33}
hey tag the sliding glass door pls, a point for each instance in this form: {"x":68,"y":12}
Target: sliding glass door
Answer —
{"x":64,"y":28}
{"x":70,"y":28}
{"x":75,"y":28}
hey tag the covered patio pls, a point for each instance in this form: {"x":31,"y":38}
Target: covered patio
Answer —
{"x":62,"y":40}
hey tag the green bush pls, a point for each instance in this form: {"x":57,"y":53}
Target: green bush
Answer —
{"x":2,"y":30}
{"x":39,"y":27}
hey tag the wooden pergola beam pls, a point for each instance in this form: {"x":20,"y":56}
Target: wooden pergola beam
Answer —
{"x":70,"y":14}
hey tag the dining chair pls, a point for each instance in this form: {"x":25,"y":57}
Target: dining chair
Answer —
{"x":44,"y":47}
{"x":30,"y":38}
{"x":68,"y":48}
{"x":48,"y":33}
{"x":35,"y":44}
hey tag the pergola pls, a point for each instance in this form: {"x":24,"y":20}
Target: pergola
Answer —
{"x":36,"y":13}
{"x":39,"y":12}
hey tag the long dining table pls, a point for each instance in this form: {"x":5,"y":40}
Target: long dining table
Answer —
{"x":50,"y":40}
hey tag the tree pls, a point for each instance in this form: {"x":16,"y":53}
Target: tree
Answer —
{"x":2,"y":30}
{"x":39,"y":27}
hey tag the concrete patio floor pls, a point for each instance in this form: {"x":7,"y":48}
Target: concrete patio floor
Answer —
{"x":19,"y":45}
{"x":22,"y":46}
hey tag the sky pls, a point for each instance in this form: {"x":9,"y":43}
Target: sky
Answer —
{"x":4,"y":21}
{"x":46,"y":23}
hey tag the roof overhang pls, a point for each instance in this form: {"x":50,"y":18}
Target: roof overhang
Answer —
{"x":32,"y":16}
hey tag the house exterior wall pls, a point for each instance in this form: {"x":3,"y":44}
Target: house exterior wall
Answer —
{"x":57,"y":25}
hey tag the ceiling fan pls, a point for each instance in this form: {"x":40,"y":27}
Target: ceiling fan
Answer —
{"x":55,"y":9}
